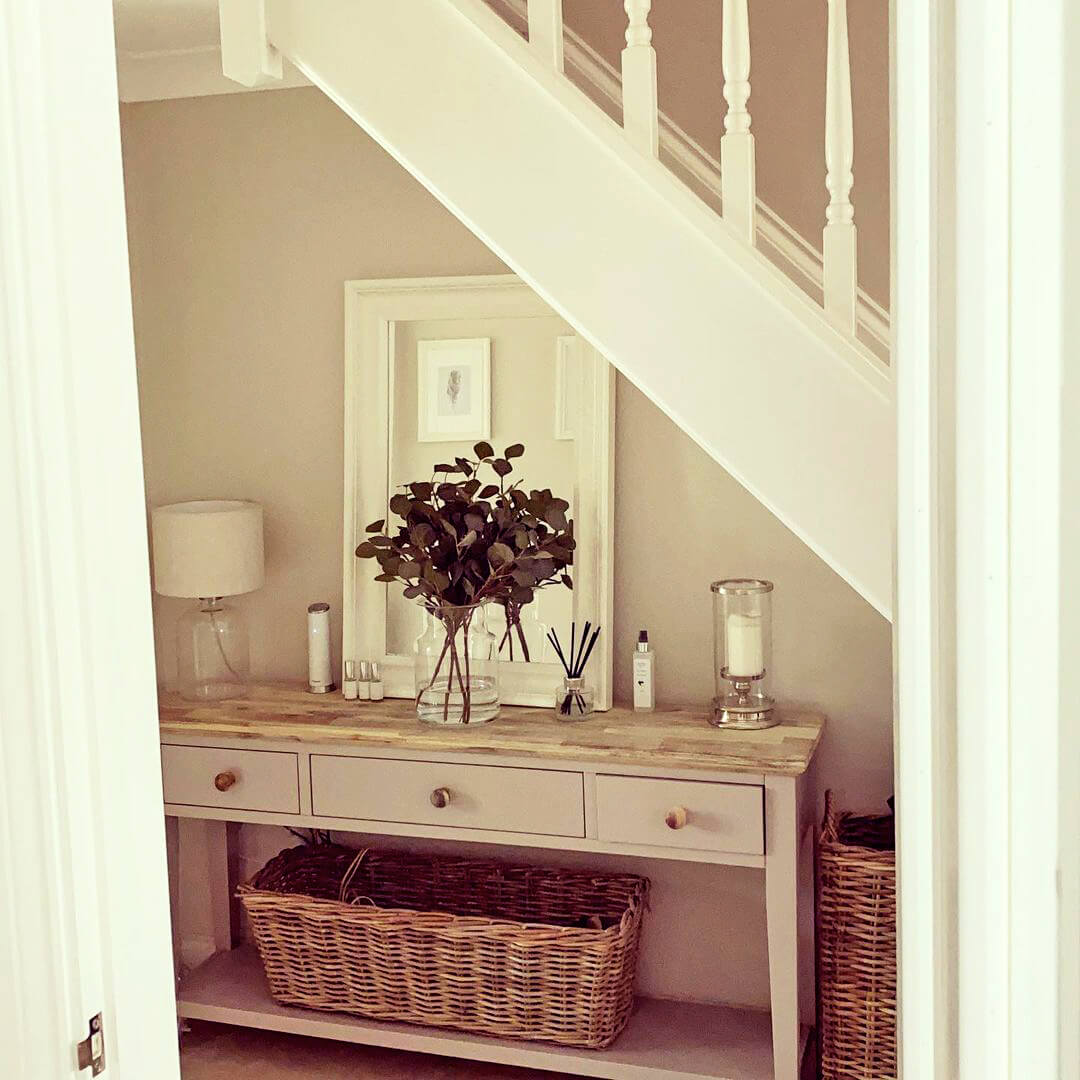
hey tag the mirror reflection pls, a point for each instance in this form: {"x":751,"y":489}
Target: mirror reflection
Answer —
{"x":504,"y":380}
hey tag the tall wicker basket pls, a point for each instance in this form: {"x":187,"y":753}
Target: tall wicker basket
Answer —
{"x":515,"y":951}
{"x":857,"y":946}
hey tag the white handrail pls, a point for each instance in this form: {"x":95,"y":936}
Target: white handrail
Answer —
{"x":798,"y":257}
{"x":737,"y":143}
{"x":546,"y":30}
{"x":839,"y":238}
{"x":641,"y":120}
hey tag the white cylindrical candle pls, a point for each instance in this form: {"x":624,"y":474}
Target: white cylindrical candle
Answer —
{"x":320,"y":679}
{"x":745,"y":649}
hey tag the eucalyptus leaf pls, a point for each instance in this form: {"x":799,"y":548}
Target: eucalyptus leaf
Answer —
{"x":499,"y":555}
{"x":452,"y":550}
{"x":555,"y":517}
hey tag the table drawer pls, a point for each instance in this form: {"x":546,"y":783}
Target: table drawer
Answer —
{"x":251,"y":779}
{"x":681,"y":813}
{"x":540,"y":801}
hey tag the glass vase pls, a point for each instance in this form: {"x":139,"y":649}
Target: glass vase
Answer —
{"x":456,"y":667}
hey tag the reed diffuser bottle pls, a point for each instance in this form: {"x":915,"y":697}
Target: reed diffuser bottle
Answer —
{"x":644,"y":669}
{"x":573,"y":699}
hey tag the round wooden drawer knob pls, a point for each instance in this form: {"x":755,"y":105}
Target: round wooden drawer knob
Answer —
{"x":676,"y":817}
{"x":224,"y":780}
{"x":440,"y":797}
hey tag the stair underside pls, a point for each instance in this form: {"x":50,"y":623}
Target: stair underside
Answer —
{"x":733,"y":352}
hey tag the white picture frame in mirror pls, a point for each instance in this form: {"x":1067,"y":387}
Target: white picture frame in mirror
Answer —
{"x":453,"y":390}
{"x":381,"y":319}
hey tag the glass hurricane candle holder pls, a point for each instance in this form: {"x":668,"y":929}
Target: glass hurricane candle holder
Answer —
{"x":742,"y":653}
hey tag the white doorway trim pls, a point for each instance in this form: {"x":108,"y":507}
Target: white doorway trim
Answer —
{"x":925,"y":548}
{"x":83,"y":886}
{"x":988,"y":551}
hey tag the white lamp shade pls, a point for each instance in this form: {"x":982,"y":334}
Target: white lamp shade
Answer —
{"x":209,"y":548}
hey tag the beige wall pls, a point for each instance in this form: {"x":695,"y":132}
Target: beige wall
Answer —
{"x":246,"y":215}
{"x":787,"y":102}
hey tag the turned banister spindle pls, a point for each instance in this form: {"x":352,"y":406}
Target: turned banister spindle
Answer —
{"x":546,"y":30}
{"x":839,"y":239}
{"x":641,"y":120}
{"x":737,"y":172}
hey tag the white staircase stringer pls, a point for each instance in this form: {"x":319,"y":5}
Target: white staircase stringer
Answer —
{"x":734,"y":353}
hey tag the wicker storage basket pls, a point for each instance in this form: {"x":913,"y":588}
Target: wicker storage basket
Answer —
{"x":481,"y":946}
{"x":857,"y":946}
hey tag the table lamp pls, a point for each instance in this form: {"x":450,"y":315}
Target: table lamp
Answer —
{"x":205,"y":551}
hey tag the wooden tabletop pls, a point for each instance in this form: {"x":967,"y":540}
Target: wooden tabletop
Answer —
{"x":677,"y":737}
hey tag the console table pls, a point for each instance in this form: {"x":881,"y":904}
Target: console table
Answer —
{"x":658,"y":785}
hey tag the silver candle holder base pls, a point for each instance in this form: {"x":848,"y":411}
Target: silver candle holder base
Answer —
{"x":743,"y":710}
{"x":737,"y":719}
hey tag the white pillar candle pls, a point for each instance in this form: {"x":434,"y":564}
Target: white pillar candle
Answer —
{"x":745,"y":648}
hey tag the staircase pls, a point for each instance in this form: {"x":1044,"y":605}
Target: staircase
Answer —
{"x":710,"y":314}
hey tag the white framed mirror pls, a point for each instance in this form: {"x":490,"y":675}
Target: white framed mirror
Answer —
{"x":429,"y":363}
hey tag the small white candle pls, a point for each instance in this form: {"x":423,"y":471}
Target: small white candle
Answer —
{"x":745,"y":649}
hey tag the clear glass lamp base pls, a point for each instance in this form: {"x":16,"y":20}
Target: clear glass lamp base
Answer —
{"x":212,"y":654}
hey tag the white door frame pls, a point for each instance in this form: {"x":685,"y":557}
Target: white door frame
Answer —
{"x":987,"y":240}
{"x":83,"y":886}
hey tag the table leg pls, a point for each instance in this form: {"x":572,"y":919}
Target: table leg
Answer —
{"x":782,"y":889}
{"x":204,"y":921}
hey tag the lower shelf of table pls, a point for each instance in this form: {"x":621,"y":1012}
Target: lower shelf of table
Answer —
{"x":665,"y":1040}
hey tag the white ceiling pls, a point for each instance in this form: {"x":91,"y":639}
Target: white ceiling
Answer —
{"x":150,"y":26}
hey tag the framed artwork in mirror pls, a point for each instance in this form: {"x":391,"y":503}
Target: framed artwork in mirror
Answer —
{"x":523,"y":373}
{"x":453,"y":390}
